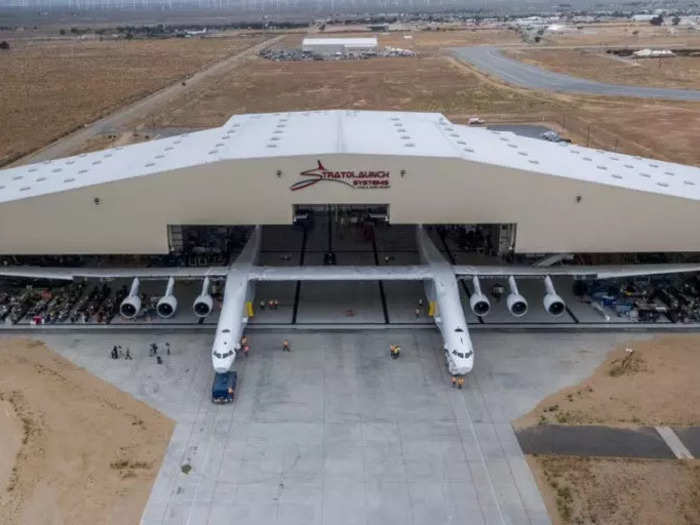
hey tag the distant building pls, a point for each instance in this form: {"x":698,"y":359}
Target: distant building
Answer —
{"x":345,"y":46}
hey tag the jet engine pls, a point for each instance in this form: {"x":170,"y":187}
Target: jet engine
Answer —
{"x":478,"y":302}
{"x":517,"y":304}
{"x":167,"y":305}
{"x":552,"y":302}
{"x":204,"y":303}
{"x":131,"y":305}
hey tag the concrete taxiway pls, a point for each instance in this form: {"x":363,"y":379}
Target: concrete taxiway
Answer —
{"x":491,"y":60}
{"x":336,"y":432}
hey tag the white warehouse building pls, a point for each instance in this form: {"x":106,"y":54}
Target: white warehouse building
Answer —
{"x":418,"y":167}
{"x":345,"y":46}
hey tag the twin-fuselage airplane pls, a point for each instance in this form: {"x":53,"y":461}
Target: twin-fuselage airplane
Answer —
{"x":439,"y":276}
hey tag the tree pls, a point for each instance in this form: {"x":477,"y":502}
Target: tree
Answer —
{"x":657,"y":20}
{"x":62,"y":31}
{"x":676,"y":20}
{"x":4,"y":45}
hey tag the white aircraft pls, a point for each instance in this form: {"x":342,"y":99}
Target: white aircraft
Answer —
{"x":439,"y":276}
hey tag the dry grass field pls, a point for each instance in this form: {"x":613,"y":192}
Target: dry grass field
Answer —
{"x":414,"y":84}
{"x":614,"y":491}
{"x":51,"y":88}
{"x":624,"y":34}
{"x":675,"y":72}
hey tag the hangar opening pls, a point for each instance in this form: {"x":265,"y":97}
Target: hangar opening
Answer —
{"x":341,"y":213}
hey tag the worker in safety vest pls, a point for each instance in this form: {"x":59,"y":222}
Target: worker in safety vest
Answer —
{"x":394,"y":350}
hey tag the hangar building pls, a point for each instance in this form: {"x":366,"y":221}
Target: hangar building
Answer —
{"x":416,"y":167}
{"x":333,"y":46}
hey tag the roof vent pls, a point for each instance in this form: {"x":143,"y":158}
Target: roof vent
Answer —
{"x":40,"y":179}
{"x":160,"y":156}
{"x":82,"y":155}
{"x":616,"y":176}
{"x":150,"y":164}
{"x":108,"y":155}
{"x":271,"y":138}
{"x":504,"y":139}
{"x":83,"y":171}
{"x":32,"y":170}
{"x":645,"y":175}
{"x":169,"y":148}
{"x":601,"y":168}
{"x":664,"y":184}
{"x":213,"y":152}
{"x":668,"y":173}
{"x":401,"y":130}
{"x":17,"y":177}
{"x":614,"y":158}
{"x":25,"y":188}
{"x":2,"y":187}
{"x":71,"y":179}
{"x":469,"y":150}
{"x":588,"y":159}
{"x":219,"y":145}
{"x":689,"y":182}
{"x":629,"y":166}
{"x":409,"y":144}
{"x":455,"y":135}
{"x":70,"y":162}
{"x":405,"y":137}
{"x":514,"y":146}
{"x":97,"y":162}
{"x":653,"y":165}
{"x":461,"y":143}
{"x":56,"y":170}
{"x":533,"y":161}
{"x":575,"y":152}
{"x":524,"y":154}
{"x":272,"y":145}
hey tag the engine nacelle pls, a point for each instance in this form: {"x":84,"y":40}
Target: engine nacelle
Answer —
{"x":478,"y":302}
{"x":517,"y":304}
{"x":204,"y":303}
{"x":553,"y":303}
{"x":131,"y":305}
{"x":167,"y":305}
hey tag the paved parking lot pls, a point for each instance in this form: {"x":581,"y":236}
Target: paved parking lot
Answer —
{"x":337,"y":432}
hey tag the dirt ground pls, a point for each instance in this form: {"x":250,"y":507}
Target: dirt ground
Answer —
{"x":73,"y":449}
{"x":675,"y":72}
{"x":414,"y":84}
{"x":656,"y":385}
{"x":51,"y":88}
{"x":611,"y":491}
{"x":423,"y":42}
{"x":623,"y":34}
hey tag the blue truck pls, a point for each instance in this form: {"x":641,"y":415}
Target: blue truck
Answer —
{"x":223,"y":389}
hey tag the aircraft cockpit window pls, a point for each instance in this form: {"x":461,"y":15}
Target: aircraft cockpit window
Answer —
{"x":226,"y":331}
{"x":217,"y":354}
{"x":458,"y":330}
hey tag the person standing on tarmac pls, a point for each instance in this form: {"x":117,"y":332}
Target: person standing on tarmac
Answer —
{"x":244,"y":345}
{"x":454,"y":381}
{"x":285,"y":346}
{"x":460,"y":382}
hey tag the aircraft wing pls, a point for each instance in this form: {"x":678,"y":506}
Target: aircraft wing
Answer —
{"x":593,"y":272}
{"x":69,"y":274}
{"x":340,"y":273}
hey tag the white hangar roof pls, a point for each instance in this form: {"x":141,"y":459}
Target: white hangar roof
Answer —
{"x":404,"y":134}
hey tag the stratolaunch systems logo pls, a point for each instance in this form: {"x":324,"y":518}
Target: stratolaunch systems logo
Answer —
{"x":358,"y":180}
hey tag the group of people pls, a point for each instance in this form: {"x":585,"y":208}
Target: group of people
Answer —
{"x":272,"y":304}
{"x":246,"y":347}
{"x":118,"y":352}
{"x":458,"y":381}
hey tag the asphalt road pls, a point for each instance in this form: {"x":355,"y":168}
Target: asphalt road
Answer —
{"x":593,"y":440}
{"x":490,"y":60}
